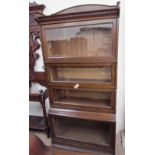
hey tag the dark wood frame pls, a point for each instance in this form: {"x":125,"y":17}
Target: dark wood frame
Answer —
{"x":110,"y":109}
{"x":75,"y":16}
{"x":84,"y":85}
{"x":79,"y":144}
{"x":83,"y":59}
{"x":35,"y":11}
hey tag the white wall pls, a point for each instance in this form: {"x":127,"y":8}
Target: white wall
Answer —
{"x":53,"y":6}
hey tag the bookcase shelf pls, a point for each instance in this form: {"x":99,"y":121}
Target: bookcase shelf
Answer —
{"x":83,"y":131}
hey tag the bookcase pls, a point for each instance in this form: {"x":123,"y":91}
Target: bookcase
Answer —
{"x":80,"y":55}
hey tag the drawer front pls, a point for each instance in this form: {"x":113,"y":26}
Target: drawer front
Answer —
{"x":83,"y":133}
{"x":83,"y":99}
{"x":102,"y":76}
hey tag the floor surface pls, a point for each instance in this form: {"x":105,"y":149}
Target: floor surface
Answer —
{"x":43,"y":137}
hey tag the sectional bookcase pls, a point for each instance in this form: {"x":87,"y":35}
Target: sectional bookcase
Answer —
{"x":80,"y":55}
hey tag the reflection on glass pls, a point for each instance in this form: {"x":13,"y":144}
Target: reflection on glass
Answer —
{"x":81,"y":74}
{"x":82,"y":97}
{"x":80,"y":41}
{"x":83,"y":131}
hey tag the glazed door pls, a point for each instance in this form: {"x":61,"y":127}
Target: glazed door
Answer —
{"x":84,"y":40}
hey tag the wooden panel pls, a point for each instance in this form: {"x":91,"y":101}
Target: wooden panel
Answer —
{"x":84,"y":8}
{"x":58,"y":151}
{"x":70,"y":15}
{"x":35,"y":97}
{"x":38,"y":77}
{"x":73,"y":150}
{"x":96,"y":116}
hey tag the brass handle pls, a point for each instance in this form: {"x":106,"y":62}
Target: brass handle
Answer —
{"x":76,"y":86}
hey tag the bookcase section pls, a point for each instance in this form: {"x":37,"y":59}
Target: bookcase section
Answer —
{"x":80,"y":41}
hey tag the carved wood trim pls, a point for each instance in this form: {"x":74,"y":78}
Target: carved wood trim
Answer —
{"x":34,"y":45}
{"x":70,"y":13}
{"x":32,"y":20}
{"x":34,"y":6}
{"x":35,"y":11}
{"x":85,"y":8}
